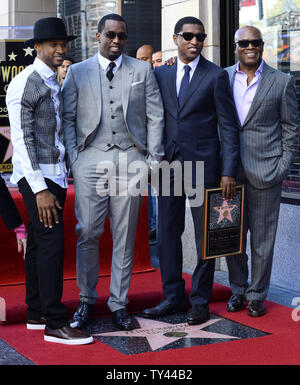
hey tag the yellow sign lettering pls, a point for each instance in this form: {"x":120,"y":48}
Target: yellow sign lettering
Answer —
{"x":5,"y":73}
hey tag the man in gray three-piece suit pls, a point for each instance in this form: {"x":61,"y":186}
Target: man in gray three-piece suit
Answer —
{"x":113,"y":115}
{"x":266,"y":104}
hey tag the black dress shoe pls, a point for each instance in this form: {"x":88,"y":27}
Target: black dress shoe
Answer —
{"x":152,"y":236}
{"x":82,"y":314}
{"x":122,"y":320}
{"x":164,"y":308}
{"x":256,"y":308}
{"x":198,"y":314}
{"x":236,"y":303}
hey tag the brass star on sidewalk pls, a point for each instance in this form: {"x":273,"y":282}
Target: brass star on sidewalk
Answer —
{"x":160,"y":334}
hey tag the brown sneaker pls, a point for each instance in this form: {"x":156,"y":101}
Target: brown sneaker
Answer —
{"x":67,"y":335}
{"x":36,"y":325}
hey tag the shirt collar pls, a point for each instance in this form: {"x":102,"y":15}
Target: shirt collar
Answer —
{"x":104,"y":62}
{"x":42,"y":68}
{"x":258,"y":71}
{"x":193,"y":64}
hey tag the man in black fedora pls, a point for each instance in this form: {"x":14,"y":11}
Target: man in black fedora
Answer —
{"x":33,"y":101}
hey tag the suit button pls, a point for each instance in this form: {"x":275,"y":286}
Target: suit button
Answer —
{"x":108,"y":144}
{"x":114,"y":132}
{"x":111,"y":102}
{"x":112,"y":117}
{"x":111,"y":87}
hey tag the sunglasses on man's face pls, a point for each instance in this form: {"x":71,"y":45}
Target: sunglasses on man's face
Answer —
{"x":245,"y":43}
{"x":112,"y":35}
{"x":188,"y":36}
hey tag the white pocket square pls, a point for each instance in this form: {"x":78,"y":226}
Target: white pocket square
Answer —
{"x":134,"y":84}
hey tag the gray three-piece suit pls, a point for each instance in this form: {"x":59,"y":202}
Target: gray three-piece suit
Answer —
{"x":109,"y":123}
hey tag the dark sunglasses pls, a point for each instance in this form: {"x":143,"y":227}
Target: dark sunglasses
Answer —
{"x":188,"y":36}
{"x":245,"y":43}
{"x":112,"y":35}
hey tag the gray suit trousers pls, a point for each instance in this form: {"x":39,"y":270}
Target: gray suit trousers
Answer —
{"x":262,"y":212}
{"x":95,"y":199}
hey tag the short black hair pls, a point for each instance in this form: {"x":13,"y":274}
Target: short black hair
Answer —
{"x":130,"y":52}
{"x":187,"y":20}
{"x":69,"y":59}
{"x":111,"y":16}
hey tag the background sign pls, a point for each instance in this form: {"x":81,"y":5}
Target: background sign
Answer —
{"x":14,"y":57}
{"x":247,"y":3}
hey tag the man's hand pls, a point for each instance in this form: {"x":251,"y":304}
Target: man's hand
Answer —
{"x":47,"y":204}
{"x":171,"y":61}
{"x":22,"y":243}
{"x":228,"y":187}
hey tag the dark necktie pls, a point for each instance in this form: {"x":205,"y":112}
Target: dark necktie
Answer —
{"x":184,"y":84}
{"x":109,"y":73}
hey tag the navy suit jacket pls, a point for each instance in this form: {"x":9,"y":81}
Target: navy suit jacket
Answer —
{"x":206,"y":127}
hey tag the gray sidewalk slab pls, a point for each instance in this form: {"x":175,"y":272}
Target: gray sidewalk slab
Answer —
{"x":276,"y":294}
{"x":8,"y":356}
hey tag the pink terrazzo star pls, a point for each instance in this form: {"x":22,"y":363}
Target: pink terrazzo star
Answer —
{"x":224,"y":211}
{"x":157,"y":332}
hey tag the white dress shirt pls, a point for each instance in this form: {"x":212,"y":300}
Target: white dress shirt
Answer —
{"x":180,"y":71}
{"x":104,"y":63}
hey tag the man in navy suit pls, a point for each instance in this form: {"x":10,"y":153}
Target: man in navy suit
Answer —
{"x":200,"y":125}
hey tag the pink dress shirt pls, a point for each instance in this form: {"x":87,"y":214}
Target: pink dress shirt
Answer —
{"x":244,"y":94}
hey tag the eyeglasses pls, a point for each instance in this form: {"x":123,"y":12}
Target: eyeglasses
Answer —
{"x":188,"y":36}
{"x":112,"y":35}
{"x":245,"y":43}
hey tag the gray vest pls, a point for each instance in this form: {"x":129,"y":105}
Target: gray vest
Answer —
{"x":112,"y":130}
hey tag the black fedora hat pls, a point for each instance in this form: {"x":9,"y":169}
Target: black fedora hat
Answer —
{"x":49,"y":28}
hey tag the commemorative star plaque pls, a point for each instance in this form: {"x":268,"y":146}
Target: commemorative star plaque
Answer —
{"x":14,"y":57}
{"x":222,"y":223}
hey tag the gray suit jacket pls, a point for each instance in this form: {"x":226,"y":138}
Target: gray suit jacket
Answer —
{"x":141,"y":99}
{"x":268,"y":134}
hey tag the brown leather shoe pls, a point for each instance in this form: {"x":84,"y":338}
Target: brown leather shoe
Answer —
{"x":67,"y":335}
{"x":36,"y":325}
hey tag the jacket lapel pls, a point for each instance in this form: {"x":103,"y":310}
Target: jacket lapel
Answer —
{"x":263,"y":88}
{"x":127,"y":76}
{"x":93,"y":74}
{"x":231,"y":71}
{"x":172,"y":86}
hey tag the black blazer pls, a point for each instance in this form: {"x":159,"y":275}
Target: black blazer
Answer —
{"x":8,"y":209}
{"x":206,"y":127}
